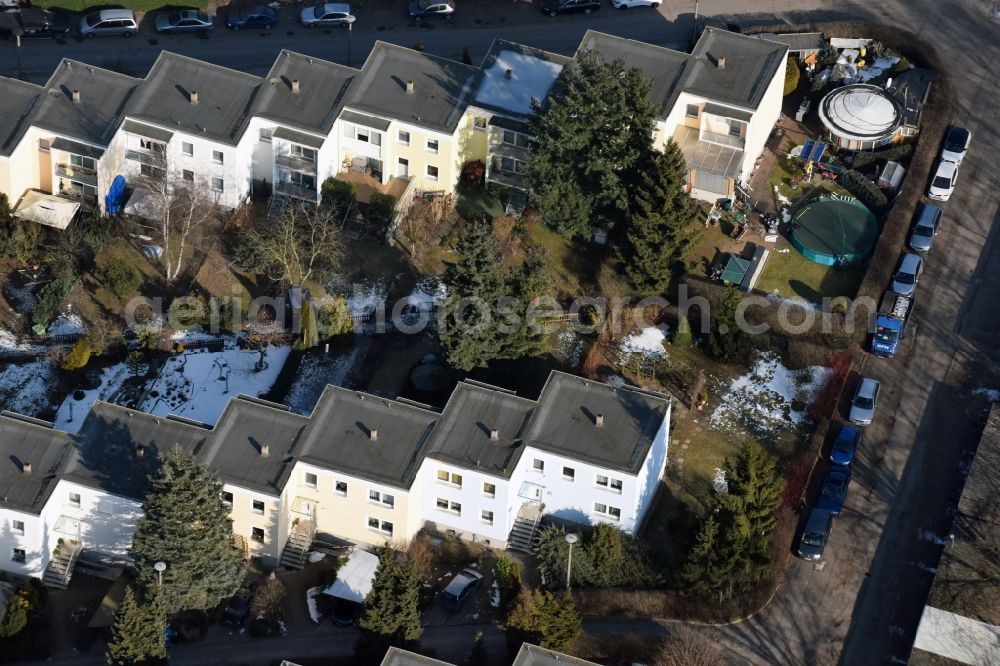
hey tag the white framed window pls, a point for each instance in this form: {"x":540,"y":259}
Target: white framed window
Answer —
{"x":258,"y":507}
{"x":538,"y":465}
{"x":615,"y":512}
{"x":218,"y":157}
{"x":218,"y":184}
{"x":363,"y":134}
{"x":735,"y":128}
{"x":449,"y":477}
{"x":510,"y":165}
{"x":692,"y":111}
{"x":487,"y":517}
{"x":449,"y":506}
{"x":83,"y":162}
{"x":227,"y":498}
{"x":612,"y":512}
{"x":616,"y":485}
{"x":75,"y":500}
{"x":19,"y":556}
{"x":257,"y":534}
{"x":601,"y":480}
{"x":187,"y":175}
{"x":266,"y":133}
{"x":512,"y":138}
{"x":489,"y":489}
{"x":600,"y":508}
{"x":187,"y":149}
{"x":383,"y":526}
{"x":569,"y":473}
{"x":311,"y":480}
{"x":17,"y":526}
{"x":303,"y":153}
{"x":479,"y":123}
{"x":432,"y":172}
{"x":403,"y":137}
{"x":432,"y":146}
{"x":340,"y":487}
{"x":378,"y":497}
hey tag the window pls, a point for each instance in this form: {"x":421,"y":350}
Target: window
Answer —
{"x":569,"y":473}
{"x":187,"y":149}
{"x":150,"y":171}
{"x":19,"y":555}
{"x":388,"y":500}
{"x":17,"y":526}
{"x":487,"y":517}
{"x":510,"y":165}
{"x":615,"y":512}
{"x":83,"y":162}
{"x":257,"y":534}
{"x":187,"y":175}
{"x":450,"y":477}
{"x":692,"y":111}
{"x":340,"y":488}
{"x":452,"y":507}
{"x":612,"y":512}
{"x":538,"y":465}
{"x":442,"y":504}
{"x":512,"y":138}
{"x":362,"y":134}
{"x":151,"y":146}
{"x":616,"y":485}
{"x":383,"y":526}
{"x":218,"y":157}
{"x":735,"y":128}
{"x":489,"y":489}
{"x":403,"y":137}
{"x":432,"y":146}
{"x":258,"y":507}
{"x":600,"y":508}
{"x":218,"y":184}
{"x":381,"y":498}
{"x":601,"y":480}
{"x":227,"y":498}
{"x":432,"y":172}
{"x":303,"y":153}
{"x":74,"y":500}
{"x":479,"y":123}
{"x":311,"y":479}
{"x":266,"y":134}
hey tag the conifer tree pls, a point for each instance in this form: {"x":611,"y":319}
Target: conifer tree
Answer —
{"x":186,"y":525}
{"x":310,"y":329}
{"x":682,"y":336}
{"x":546,"y":620}
{"x":391,"y":615}
{"x":659,"y":231}
{"x":703,"y":573}
{"x":726,"y":340}
{"x":138,"y":633}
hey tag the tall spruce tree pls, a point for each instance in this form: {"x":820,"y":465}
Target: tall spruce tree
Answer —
{"x":391,"y":614}
{"x":186,"y":525}
{"x":726,"y":340}
{"x":659,"y":232}
{"x":544,"y":619}
{"x":703,"y":574}
{"x":138,"y":633}
{"x":593,"y":129}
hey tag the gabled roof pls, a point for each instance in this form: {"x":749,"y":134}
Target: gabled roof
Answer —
{"x":17,"y":99}
{"x":24,"y":440}
{"x":94,"y":119}
{"x":225,"y":98}
{"x":442,"y":88}
{"x":322,"y":85}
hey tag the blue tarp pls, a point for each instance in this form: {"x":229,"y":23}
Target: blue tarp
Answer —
{"x":113,"y":202}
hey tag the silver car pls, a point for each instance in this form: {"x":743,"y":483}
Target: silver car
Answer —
{"x":925,"y":228}
{"x":184,"y":20}
{"x":327,"y":14}
{"x":908,"y":274}
{"x":864,"y":401}
{"x":109,"y":23}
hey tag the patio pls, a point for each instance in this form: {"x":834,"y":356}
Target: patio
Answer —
{"x":366,"y":185}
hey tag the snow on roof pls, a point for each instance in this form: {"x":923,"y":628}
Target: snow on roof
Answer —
{"x":860,"y":112}
{"x":531,"y":78}
{"x":355,"y":578}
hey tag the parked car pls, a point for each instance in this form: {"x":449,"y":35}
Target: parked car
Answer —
{"x":944,"y":181}
{"x":425,"y":9}
{"x":185,"y":20}
{"x":814,"y":536}
{"x":34,"y":23}
{"x":925,"y":228}
{"x":331,"y":13}
{"x":262,"y":17}
{"x":460,"y":588}
{"x":845,"y":447}
{"x":904,"y":281}
{"x":629,"y":4}
{"x":556,"y":7}
{"x":864,"y":401}
{"x":109,"y":23}
{"x":238,"y":607}
{"x":956,"y":144}
{"x":835,"y":488}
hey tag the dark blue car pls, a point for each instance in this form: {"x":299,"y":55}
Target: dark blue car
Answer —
{"x":261,"y":17}
{"x":835,"y":489}
{"x":845,"y":446}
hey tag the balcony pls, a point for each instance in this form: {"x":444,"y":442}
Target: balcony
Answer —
{"x":298,"y":164}
{"x":77,"y":174}
{"x":505,"y":178}
{"x":297,"y":191}
{"x":727,"y":140}
{"x":154,"y":158}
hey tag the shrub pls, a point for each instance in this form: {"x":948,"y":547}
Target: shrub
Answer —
{"x":337,"y":193}
{"x":382,"y":206}
{"x":508,"y":576}
{"x":268,"y":601}
{"x":791,"y":75}
{"x":683,"y":336}
{"x":896,"y":152}
{"x":188,"y":312}
{"x":51,"y":298}
{"x":120,"y":278}
{"x":866,"y":191}
{"x":77,"y":357}
{"x":95,"y":233}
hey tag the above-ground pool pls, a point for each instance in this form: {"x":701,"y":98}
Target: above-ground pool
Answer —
{"x":834,"y":231}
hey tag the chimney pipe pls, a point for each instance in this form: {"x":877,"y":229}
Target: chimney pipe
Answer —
{"x":494,"y":435}
{"x":26,"y":467}
{"x":373,"y":434}
{"x":721,"y":63}
{"x":409,"y":87}
{"x":599,"y":420}
{"x":76,"y":96}
{"x":194,"y":96}
{"x":265,"y":450}
{"x":295,"y":85}
{"x":140,"y":450}
{"x":509,"y":74}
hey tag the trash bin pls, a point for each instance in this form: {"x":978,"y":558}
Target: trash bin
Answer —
{"x":727,"y":205}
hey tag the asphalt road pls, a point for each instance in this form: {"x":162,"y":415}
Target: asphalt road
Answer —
{"x":862,"y":607}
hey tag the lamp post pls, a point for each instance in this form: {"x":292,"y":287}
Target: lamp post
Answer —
{"x":349,"y":30}
{"x":570,"y":539}
{"x":160,"y":568}
{"x":17,"y":40}
{"x":694,"y":32}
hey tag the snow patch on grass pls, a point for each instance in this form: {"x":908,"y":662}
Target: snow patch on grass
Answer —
{"x":68,"y":323}
{"x":648,"y":341}
{"x":318,"y":370}
{"x":428,"y":293}
{"x":72,"y":412}
{"x":25,"y":387}
{"x":991,"y":394}
{"x":10,"y":343}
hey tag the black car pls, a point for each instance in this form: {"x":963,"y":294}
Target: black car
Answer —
{"x":460,"y":588}
{"x":253,"y":18}
{"x":238,"y":607}
{"x":835,"y":486}
{"x":425,"y":9}
{"x":556,"y":7}
{"x":34,"y":23}
{"x":814,"y":536}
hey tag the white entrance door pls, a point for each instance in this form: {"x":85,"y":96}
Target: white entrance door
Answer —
{"x":531,"y":491}
{"x":403,"y":168}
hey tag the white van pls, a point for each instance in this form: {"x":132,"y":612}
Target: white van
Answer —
{"x":109,"y":22}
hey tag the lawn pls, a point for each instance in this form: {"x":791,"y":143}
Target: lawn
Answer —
{"x":135,"y":5}
{"x":791,"y":275}
{"x":473,"y":203}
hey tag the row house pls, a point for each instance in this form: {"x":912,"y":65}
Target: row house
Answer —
{"x":361,"y":469}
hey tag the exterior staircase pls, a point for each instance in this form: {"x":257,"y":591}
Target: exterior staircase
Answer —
{"x":60,"y":569}
{"x":524,"y":534}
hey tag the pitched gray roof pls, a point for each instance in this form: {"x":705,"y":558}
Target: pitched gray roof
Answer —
{"x":397,"y":657}
{"x":463,"y":434}
{"x":532,"y":75}
{"x":103,"y":97}
{"x":17,"y":99}
{"x":225,"y":98}
{"x":533,"y":655}
{"x":323,"y":86}
{"x":339,"y":437}
{"x":442,"y":88}
{"x":23,"y":441}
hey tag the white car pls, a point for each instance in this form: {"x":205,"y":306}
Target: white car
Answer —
{"x":956,"y":144}
{"x":631,"y":4}
{"x":944,"y":181}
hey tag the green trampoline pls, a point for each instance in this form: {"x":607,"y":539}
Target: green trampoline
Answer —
{"x":834,"y":231}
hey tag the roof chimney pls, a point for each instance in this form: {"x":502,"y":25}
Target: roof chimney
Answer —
{"x":26,"y":467}
{"x":721,"y":62}
{"x":295,"y":86}
{"x":494,"y":435}
{"x":599,"y":420}
{"x":194,"y":96}
{"x":509,"y":74}
{"x":140,"y":450}
{"x":373,"y":434}
{"x":409,"y":87}
{"x":265,"y":449}
{"x":76,"y":96}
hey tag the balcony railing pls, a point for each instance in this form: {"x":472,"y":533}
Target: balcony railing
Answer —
{"x":77,"y":173}
{"x":295,"y":190}
{"x":155,"y":159}
{"x":723,"y":139}
{"x":505,"y":178}
{"x":293,"y":163}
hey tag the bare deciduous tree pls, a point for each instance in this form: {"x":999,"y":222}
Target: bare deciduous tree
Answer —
{"x":423,"y":226}
{"x":686,"y":647}
{"x":301,"y":243}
